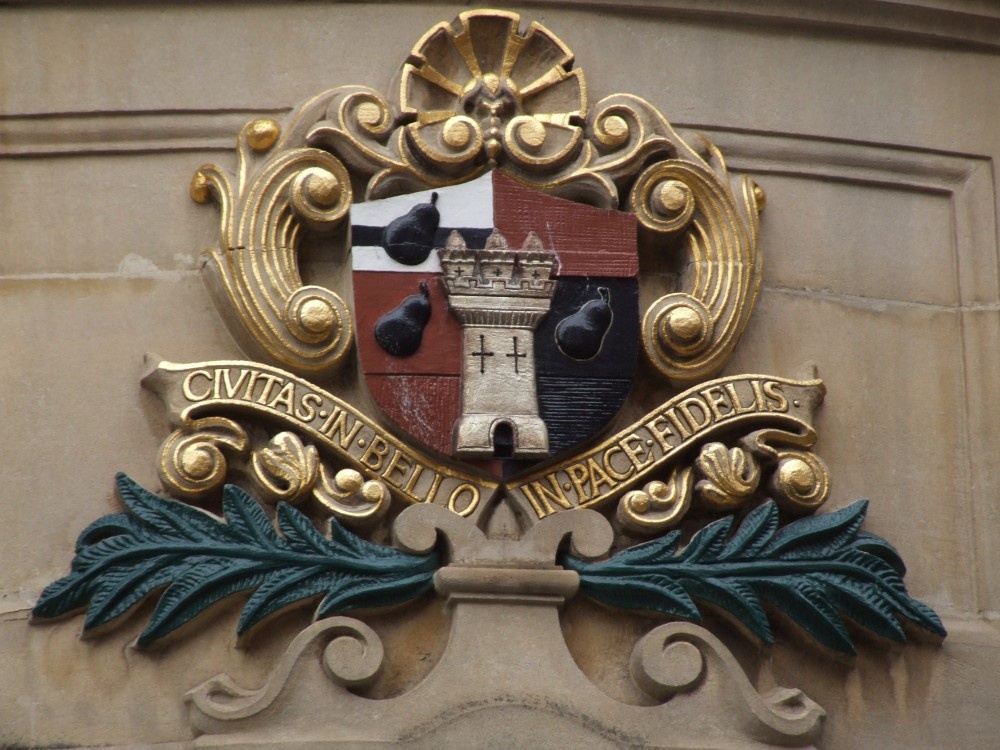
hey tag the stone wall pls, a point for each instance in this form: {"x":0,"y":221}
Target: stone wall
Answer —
{"x":871,"y":127}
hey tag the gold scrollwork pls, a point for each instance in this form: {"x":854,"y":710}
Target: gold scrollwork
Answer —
{"x":691,"y":334}
{"x":289,"y":470}
{"x":254,"y":273}
{"x":474,"y":95}
{"x":658,"y":506}
{"x":192,"y":460}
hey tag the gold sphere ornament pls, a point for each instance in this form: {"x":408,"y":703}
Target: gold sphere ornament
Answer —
{"x":369,"y":114}
{"x":614,"y":130}
{"x":531,"y":134}
{"x":317,"y":316}
{"x":671,"y":197}
{"x":683,"y":324}
{"x":457,"y":133}
{"x":262,"y":134}
{"x":197,"y":464}
{"x":198,"y":190}
{"x":797,"y":475}
{"x":323,"y":188}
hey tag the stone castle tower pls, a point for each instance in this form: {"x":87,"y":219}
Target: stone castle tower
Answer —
{"x":499,"y":297}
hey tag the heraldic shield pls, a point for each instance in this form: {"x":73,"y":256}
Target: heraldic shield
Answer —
{"x":496,"y":324}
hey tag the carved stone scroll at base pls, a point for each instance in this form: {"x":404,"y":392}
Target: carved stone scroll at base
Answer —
{"x":506,"y":678}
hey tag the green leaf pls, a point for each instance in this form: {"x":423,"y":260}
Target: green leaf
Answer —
{"x":651,"y":552}
{"x":922,"y":615}
{"x":282,"y":590}
{"x":754,"y":533}
{"x":646,"y":590}
{"x":857,"y":601}
{"x":816,"y":534}
{"x":246,"y":518}
{"x":194,"y":559}
{"x":375,"y":592}
{"x":876,"y":545}
{"x":203,"y":584}
{"x":168,"y":517}
{"x":108,"y":526}
{"x":735,"y":597}
{"x":299,"y":532}
{"x":120,"y":589}
{"x":807,"y":606}
{"x":814,"y":570}
{"x":708,"y":542}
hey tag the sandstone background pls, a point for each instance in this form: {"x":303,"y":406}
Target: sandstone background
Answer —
{"x":872,"y":127}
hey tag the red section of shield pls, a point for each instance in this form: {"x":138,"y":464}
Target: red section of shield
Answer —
{"x":379,"y":292}
{"x":588,"y":240}
{"x":422,"y":392}
{"x":428,"y":406}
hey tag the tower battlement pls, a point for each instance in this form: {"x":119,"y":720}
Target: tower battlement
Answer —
{"x":499,"y":296}
{"x":497,"y":270}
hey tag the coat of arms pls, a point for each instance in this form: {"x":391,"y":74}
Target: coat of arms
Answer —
{"x":540,"y":295}
{"x":500,"y":330}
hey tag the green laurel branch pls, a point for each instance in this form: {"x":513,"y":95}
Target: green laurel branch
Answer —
{"x":814,"y":570}
{"x":195,"y":559}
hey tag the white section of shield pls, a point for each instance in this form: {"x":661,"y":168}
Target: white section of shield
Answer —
{"x":367,"y":258}
{"x":467,"y":205}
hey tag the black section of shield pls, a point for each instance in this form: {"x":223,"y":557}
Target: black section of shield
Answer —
{"x":577,"y":398}
{"x":364,"y":236}
{"x":579,"y":407}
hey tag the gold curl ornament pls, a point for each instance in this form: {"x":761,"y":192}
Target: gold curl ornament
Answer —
{"x":193,"y":460}
{"x":289,"y":470}
{"x":800,"y":483}
{"x":350,"y":498}
{"x":731,"y":477}
{"x":658,"y":506}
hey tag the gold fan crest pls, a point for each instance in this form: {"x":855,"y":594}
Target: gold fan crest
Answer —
{"x":484,"y":87}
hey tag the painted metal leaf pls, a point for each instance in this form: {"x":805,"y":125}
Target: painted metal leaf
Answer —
{"x":816,"y":570}
{"x":196,"y":559}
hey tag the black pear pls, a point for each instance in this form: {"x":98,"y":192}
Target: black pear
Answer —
{"x":409,"y":238}
{"x":400,"y":331}
{"x":581,"y":335}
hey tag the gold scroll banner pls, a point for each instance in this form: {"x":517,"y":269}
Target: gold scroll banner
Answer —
{"x":190,"y":390}
{"x":708,"y":410}
{"x":595,"y":476}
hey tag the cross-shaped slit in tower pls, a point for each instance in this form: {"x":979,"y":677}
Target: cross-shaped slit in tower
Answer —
{"x":516,"y":355}
{"x":482,"y":354}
